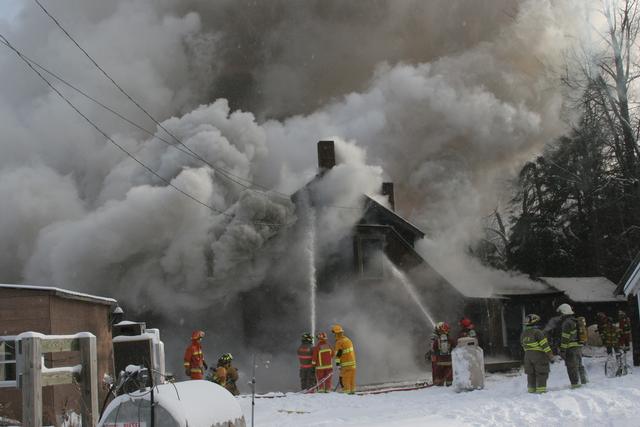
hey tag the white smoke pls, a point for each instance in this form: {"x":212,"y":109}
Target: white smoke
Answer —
{"x":447,"y":110}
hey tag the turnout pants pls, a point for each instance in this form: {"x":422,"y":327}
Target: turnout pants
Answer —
{"x":348,"y":380}
{"x":441,"y":370}
{"x":575,"y":369}
{"x":321,"y":374}
{"x":536,"y":366}
{"x":307,"y":378}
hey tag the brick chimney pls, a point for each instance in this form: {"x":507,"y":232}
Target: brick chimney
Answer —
{"x":326,"y":155}
{"x":387,"y":190}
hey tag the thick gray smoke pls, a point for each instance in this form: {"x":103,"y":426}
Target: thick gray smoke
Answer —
{"x":444,"y":98}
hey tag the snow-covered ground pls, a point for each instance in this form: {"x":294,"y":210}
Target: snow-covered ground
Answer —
{"x":503,"y":402}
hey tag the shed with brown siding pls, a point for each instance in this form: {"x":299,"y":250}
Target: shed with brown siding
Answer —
{"x":51,"y":311}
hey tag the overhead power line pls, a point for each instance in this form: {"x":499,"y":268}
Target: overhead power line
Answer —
{"x":229,"y":175}
{"x":119,"y":146}
{"x":129,"y":121}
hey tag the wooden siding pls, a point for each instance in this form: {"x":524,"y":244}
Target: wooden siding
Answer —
{"x":23,"y":310}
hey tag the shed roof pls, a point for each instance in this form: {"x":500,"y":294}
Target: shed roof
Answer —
{"x":62,"y":293}
{"x":584,"y":289}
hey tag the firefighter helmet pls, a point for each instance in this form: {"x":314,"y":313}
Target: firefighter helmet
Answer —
{"x":531,"y":319}
{"x":442,"y":327}
{"x":307,"y":337}
{"x":196,"y":335}
{"x":225,"y":359}
{"x":565,"y":309}
{"x":322,"y":336}
{"x":337,"y":329}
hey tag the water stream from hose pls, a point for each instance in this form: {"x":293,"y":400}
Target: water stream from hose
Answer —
{"x":411,"y":290}
{"x":311,"y":251}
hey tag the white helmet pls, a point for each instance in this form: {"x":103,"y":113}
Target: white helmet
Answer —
{"x":565,"y":309}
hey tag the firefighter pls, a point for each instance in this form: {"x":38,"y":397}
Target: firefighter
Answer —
{"x":611,"y":336}
{"x":305,"y":354}
{"x":467,"y":329}
{"x":624,"y":323}
{"x":537,"y":354}
{"x":570,"y":347}
{"x":194,"y":363}
{"x":441,"y":346}
{"x":322,"y":357}
{"x":229,"y":375}
{"x":220,"y":372}
{"x":345,"y":357}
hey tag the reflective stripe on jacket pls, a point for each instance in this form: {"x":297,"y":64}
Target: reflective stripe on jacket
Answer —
{"x":304,"y":356}
{"x":570,"y":337}
{"x":345,"y":354}
{"x":610,"y":335}
{"x":533,"y":339}
{"x":322,"y":356}
{"x":194,"y":357}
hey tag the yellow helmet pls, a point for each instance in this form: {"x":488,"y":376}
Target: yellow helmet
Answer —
{"x":336,"y":329}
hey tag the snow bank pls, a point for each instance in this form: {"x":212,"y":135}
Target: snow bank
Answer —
{"x":503,"y":402}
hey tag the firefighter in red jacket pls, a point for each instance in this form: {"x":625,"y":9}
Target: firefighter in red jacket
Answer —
{"x":624,"y":324}
{"x":322,"y":360}
{"x":194,"y":364}
{"x":305,"y":354}
{"x":441,"y":346}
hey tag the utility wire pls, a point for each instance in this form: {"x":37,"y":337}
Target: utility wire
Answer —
{"x":137,"y":104}
{"x":226,"y":173}
{"x":145,"y":130}
{"x":132,"y":123}
{"x":103,"y":133}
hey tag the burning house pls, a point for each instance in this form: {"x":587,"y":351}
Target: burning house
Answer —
{"x":365,"y":272}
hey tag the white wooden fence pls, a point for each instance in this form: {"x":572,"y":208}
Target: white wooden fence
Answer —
{"x":32,"y":375}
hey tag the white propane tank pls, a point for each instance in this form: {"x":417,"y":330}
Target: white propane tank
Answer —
{"x":468,"y":365}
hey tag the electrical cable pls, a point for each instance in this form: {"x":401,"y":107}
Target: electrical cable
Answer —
{"x":220,"y":171}
{"x":137,"y":104}
{"x":106,"y":136}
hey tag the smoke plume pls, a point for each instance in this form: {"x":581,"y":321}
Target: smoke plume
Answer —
{"x":445,"y":99}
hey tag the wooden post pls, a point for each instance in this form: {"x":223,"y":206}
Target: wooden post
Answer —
{"x":31,"y":381}
{"x":89,"y":381}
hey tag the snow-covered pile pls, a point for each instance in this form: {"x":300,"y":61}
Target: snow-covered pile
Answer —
{"x":183,"y":404}
{"x":503,"y":402}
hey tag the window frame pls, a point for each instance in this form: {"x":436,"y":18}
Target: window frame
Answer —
{"x":10,"y":383}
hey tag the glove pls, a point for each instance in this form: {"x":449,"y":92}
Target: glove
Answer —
{"x":552,"y":359}
{"x":187,"y":372}
{"x":205,"y":365}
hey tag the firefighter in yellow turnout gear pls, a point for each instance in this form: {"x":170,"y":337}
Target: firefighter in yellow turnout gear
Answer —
{"x":537,"y":355}
{"x":571,"y":347}
{"x":345,"y":357}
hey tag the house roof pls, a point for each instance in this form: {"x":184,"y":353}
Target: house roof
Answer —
{"x":63,"y":293}
{"x":394,"y":218}
{"x":584,"y":289}
{"x":629,"y":284}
